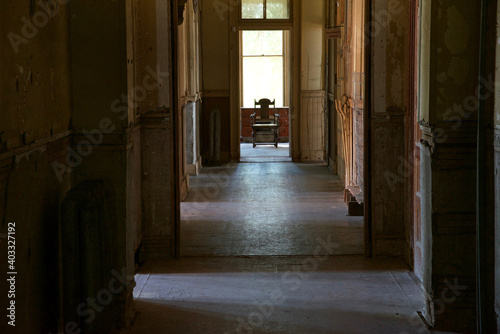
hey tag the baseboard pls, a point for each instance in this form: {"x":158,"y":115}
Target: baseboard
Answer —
{"x":331,"y":165}
{"x":194,"y":169}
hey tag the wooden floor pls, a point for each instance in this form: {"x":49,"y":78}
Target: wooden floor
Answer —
{"x":268,"y":248}
{"x":265,"y":153}
{"x":285,"y":295}
{"x":267,"y":209}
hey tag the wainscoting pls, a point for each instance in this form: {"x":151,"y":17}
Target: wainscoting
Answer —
{"x":312,"y":125}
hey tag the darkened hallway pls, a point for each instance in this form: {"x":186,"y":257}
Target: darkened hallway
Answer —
{"x":115,"y":112}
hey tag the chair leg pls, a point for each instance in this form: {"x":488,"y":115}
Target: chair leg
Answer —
{"x":253,"y":139}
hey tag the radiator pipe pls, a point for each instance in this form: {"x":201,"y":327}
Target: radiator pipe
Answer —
{"x":481,"y":221}
{"x":367,"y":133}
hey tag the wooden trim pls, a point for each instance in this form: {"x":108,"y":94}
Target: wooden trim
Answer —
{"x":234,"y":84}
{"x":412,"y":138}
{"x":26,"y":148}
{"x":367,"y":180}
{"x":177,"y":132}
{"x":264,"y":25}
{"x":190,"y":98}
{"x":296,"y":47}
{"x":216,"y":93}
{"x":312,"y":93}
{"x":285,"y":56}
{"x":265,"y":21}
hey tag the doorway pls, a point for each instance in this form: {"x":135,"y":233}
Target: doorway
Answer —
{"x":264,"y":74}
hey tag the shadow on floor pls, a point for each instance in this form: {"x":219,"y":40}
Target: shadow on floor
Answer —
{"x":276,"y":295}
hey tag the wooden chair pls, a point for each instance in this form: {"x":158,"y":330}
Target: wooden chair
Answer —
{"x":264,"y":123}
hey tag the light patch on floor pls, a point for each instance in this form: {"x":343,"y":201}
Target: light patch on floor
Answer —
{"x":277,"y":295}
{"x":265,"y":153}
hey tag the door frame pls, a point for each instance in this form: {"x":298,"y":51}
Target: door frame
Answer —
{"x":237,"y":25}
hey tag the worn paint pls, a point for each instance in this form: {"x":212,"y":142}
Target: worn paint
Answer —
{"x":457,"y":35}
{"x":458,"y":70}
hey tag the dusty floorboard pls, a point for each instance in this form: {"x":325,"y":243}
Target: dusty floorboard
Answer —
{"x":267,"y":209}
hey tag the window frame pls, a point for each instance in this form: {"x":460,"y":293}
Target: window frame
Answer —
{"x":286,"y":63}
{"x":265,"y":20}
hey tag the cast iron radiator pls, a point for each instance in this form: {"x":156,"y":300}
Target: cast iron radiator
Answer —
{"x":86,"y":251}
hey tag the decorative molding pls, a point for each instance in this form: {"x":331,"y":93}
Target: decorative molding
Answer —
{"x":427,"y":137}
{"x":194,"y":169}
{"x":312,"y":93}
{"x":190,"y":98}
{"x":156,"y":118}
{"x":110,"y":141}
{"x":30,"y":147}
{"x":216,"y":93}
{"x":496,"y":136}
{"x":181,"y":8}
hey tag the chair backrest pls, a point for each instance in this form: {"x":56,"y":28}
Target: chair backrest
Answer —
{"x":264,"y":107}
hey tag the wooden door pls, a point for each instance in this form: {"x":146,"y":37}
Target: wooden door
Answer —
{"x":411,"y":164}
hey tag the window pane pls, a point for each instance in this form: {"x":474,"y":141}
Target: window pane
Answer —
{"x":252,"y":9}
{"x":277,"y":9}
{"x":263,"y":42}
{"x":262,"y":78}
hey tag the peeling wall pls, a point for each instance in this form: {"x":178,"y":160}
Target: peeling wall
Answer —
{"x":389,"y":84}
{"x":215,"y":44}
{"x":449,"y":78}
{"x":215,"y":17}
{"x":99,"y":76}
{"x":312,"y":97}
{"x":35,"y":88}
{"x":35,"y":116}
{"x":390,"y":39}
{"x":313,"y":42}
{"x":152,"y":151}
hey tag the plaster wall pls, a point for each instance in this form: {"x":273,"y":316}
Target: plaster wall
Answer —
{"x":215,"y":18}
{"x":312,"y":99}
{"x":63,"y":81}
{"x":99,"y":73}
{"x":389,"y":38}
{"x":150,"y":148}
{"x":36,"y":90}
{"x":215,"y":44}
{"x":100,"y":79}
{"x":448,"y":74}
{"x":35,"y":123}
{"x":313,"y":43}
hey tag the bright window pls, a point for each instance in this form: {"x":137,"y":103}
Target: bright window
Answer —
{"x":263,"y":66}
{"x":265,"y":9}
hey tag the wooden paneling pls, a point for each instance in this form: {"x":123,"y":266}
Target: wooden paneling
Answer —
{"x":312,"y":125}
